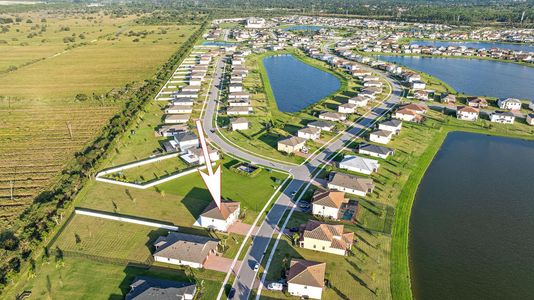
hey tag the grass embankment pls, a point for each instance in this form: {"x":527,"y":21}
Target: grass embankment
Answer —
{"x":262,"y":140}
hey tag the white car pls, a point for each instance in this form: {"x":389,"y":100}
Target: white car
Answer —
{"x":275,"y":286}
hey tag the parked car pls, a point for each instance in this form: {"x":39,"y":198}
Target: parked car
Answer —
{"x":294,"y":229}
{"x":304,"y":205}
{"x":231,"y":293}
{"x":256,"y":267}
{"x":275,"y":286}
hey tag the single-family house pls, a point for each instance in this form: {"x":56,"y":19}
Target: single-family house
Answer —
{"x":235,"y":88}
{"x":421,"y":95}
{"x":417,"y":85}
{"x":221,"y":218}
{"x":186,"y":140}
{"x":309,"y":133}
{"x":332,"y":116}
{"x":407,"y":115}
{"x":239,"y":124}
{"x":177,"y":119}
{"x":359,"y":101}
{"x":184,"y":249}
{"x":179,"y":109}
{"x":448,"y":98}
{"x":328,"y":203}
{"x":305,"y":278}
{"x":359,"y":164}
{"x":509,"y":103}
{"x":467,"y":113}
{"x":323,"y":125}
{"x":477,"y":102}
{"x":381,"y":136}
{"x":195,"y":156}
{"x":171,"y":130}
{"x":238,"y":110}
{"x":149,"y":288}
{"x":504,"y":117}
{"x":347,"y":108}
{"x":530,"y":119}
{"x":324,"y":237}
{"x":291,"y":144}
{"x":375,"y":150}
{"x":183,"y":101}
{"x":351,"y":184}
{"x":392,"y":125}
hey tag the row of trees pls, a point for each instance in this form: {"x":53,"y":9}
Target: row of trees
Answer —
{"x":37,"y":222}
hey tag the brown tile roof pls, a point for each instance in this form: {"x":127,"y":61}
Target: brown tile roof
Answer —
{"x":329,"y":198}
{"x":467,"y":109}
{"x":415,"y":107}
{"x":186,"y":247}
{"x":227,"y":208}
{"x":326,"y":232}
{"x":306,"y":272}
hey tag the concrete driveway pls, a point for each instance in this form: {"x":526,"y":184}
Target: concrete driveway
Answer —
{"x":220,"y":264}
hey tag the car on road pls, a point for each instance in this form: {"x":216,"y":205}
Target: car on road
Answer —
{"x":293,"y":193}
{"x":231,"y":293}
{"x":304,"y":205}
{"x":275,"y":286}
{"x":256,"y":267}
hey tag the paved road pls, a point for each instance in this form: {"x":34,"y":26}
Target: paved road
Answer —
{"x":246,"y":276}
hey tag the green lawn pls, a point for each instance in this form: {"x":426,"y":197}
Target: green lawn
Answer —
{"x":180,"y":201}
{"x":107,"y":238}
{"x":78,"y":278}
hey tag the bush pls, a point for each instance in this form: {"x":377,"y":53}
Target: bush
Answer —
{"x":8,"y":240}
{"x":81,"y":97}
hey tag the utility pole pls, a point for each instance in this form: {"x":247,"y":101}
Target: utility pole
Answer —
{"x":70,"y":129}
{"x":522,"y":17}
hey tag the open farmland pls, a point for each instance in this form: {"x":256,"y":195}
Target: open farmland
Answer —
{"x":62,"y":77}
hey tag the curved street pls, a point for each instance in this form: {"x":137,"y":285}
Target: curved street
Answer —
{"x":302,"y":174}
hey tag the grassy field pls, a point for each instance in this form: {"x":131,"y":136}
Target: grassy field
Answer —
{"x":180,"y":201}
{"x":43,"y":124}
{"x":79,"y":278}
{"x":264,"y":141}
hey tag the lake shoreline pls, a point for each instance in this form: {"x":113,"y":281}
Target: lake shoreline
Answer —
{"x":401,"y":279}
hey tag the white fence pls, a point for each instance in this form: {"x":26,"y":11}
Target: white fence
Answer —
{"x":107,"y":216}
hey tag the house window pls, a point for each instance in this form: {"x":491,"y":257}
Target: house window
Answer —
{"x":323,"y":247}
{"x":314,"y":247}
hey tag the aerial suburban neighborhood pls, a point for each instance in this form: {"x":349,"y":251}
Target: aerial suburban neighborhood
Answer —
{"x":266,"y":150}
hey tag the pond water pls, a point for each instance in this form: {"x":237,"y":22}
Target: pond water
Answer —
{"x":296,"y":84}
{"x":472,"y":223}
{"x":477,"y":45}
{"x":475,"y":77}
{"x":303,"y":27}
